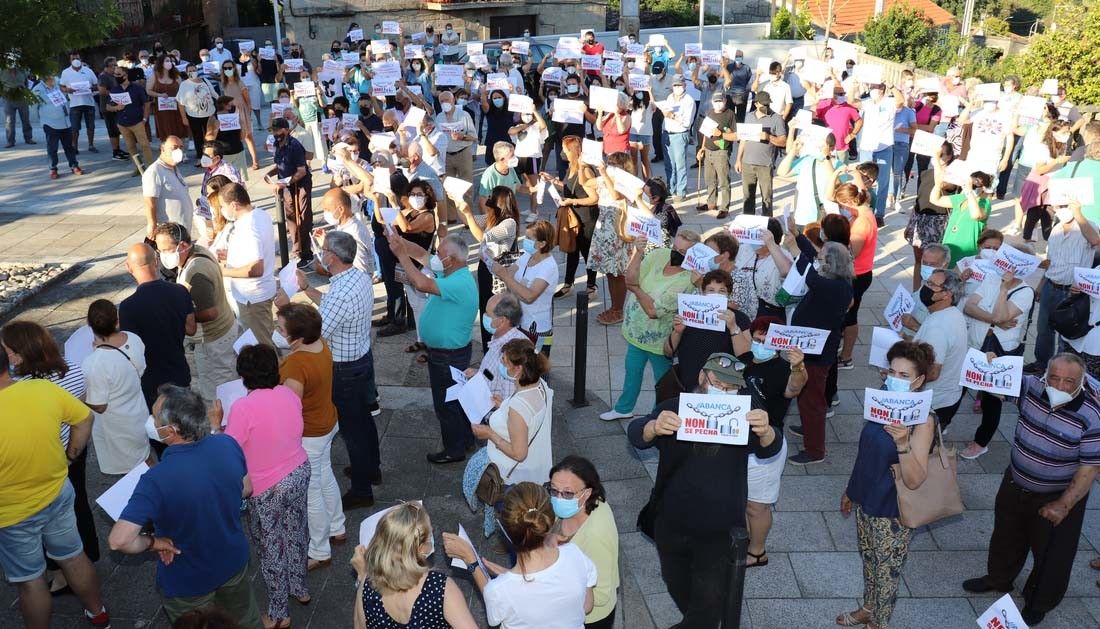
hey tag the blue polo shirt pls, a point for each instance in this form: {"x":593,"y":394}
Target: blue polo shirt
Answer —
{"x":193,"y":496}
{"x":447,"y":317}
{"x":289,"y":157}
{"x":133,"y":113}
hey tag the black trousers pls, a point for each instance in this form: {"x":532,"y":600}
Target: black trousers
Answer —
{"x":658,"y":127}
{"x":197,"y":126}
{"x":696,"y":571}
{"x":573,"y":260}
{"x":1038,"y":215}
{"x":1017,"y":529}
{"x":484,"y":292}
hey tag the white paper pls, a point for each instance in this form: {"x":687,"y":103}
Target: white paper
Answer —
{"x":710,"y":58}
{"x":949,"y":105}
{"x":391,"y":28}
{"x":927,"y":144}
{"x":701,"y":311}
{"x":569,"y":111}
{"x":213,"y":68}
{"x":305,"y":89}
{"x":498,"y":81}
{"x":901,"y":304}
{"x":762,"y":64}
{"x":626,"y":184}
{"x":267,"y":54}
{"x":246,"y":45}
{"x":228,"y":393}
{"x":714,"y":418}
{"x":555,"y":196}
{"x":448,"y":75}
{"x":988,"y":92}
{"x":707,"y":127}
{"x":355,"y":35}
{"x":1085,"y":280}
{"x":292,"y":65}
{"x":370,"y":525}
{"x":114,"y":500}
{"x":248,"y":338}
{"x":166,"y":103}
{"x":749,"y":132}
{"x":414,"y":51}
{"x":454,"y":389}
{"x":229,"y":122}
{"x":639,"y":224}
{"x":1050,"y":86}
{"x":520,"y":104}
{"x":455,"y":187}
{"x":278,"y":110}
{"x":552,"y":74}
{"x":455,"y":561}
{"x":80,"y":88}
{"x":1011,"y":259}
{"x":288,"y":279}
{"x":389,"y":214}
{"x":1031,"y":107}
{"x":749,"y":229}
{"x":804,"y":120}
{"x":381,"y":181}
{"x":521,"y":47}
{"x":1003,"y":614}
{"x":1061,"y":191}
{"x":381,"y":141}
{"x":638,"y":82}
{"x":120,"y":98}
{"x":603,"y":99}
{"x":657,"y":40}
{"x":379,"y":46}
{"x":475,"y":398}
{"x":815,"y":71}
{"x":896,"y":407}
{"x":350,"y":58}
{"x":882,"y":339}
{"x":540,"y":191}
{"x":385,"y":72}
{"x":868,"y":73}
{"x":693,"y":49}
{"x":413,"y":118}
{"x":591,"y":152}
{"x":635,"y":49}
{"x":613,"y":68}
{"x":784,"y":337}
{"x":475,"y":48}
{"x":958,"y":173}
{"x":591,"y":62}
{"x":79,"y":345}
{"x":1001,"y":377}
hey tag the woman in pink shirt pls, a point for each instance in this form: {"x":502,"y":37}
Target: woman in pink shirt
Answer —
{"x":268,"y":424}
{"x":863,"y":240}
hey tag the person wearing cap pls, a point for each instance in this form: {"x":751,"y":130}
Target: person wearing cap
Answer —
{"x":714,"y":154}
{"x":678,"y":117}
{"x":690,"y":516}
{"x":736,"y":77}
{"x":293,"y":181}
{"x":755,"y":156}
{"x":841,"y":117}
{"x":876,"y":141}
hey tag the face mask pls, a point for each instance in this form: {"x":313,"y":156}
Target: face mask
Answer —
{"x":987,"y":254}
{"x":761,"y":353}
{"x":448,"y":107}
{"x":498,"y":102}
{"x":678,"y":90}
{"x":1057,"y":100}
{"x":897,"y":385}
{"x":460,"y":103}
{"x":170,"y":259}
{"x":204,"y":58}
{"x":528,"y":246}
{"x":469,"y":74}
{"x":713,"y":390}
{"x":330,"y":219}
{"x":1058,"y":397}
{"x":75,"y":63}
{"x":378,"y":30}
{"x":572,"y":89}
{"x":565,"y":509}
{"x":296,"y":54}
{"x":487,"y":324}
{"x":620,"y":87}
{"x":1061,"y":138}
{"x":228,"y":72}
{"x":927,"y":297}
{"x":435,"y":264}
{"x":512,"y":163}
{"x":676,"y":258}
{"x":926,"y":272}
{"x":279,"y":340}
{"x":206,"y":161}
{"x":151,"y":430}
{"x":739,"y":60}
{"x":220,"y":45}
{"x":719,"y":107}
{"x":692,"y":66}
{"x":956,"y":80}
{"x":502,"y":371}
{"x":320,"y":257}
{"x":449,"y":29}
{"x":1064,"y":214}
{"x":840,"y":100}
{"x":177,"y":155}
{"x":228,"y":215}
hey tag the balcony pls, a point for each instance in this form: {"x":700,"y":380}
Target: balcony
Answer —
{"x":468,"y":5}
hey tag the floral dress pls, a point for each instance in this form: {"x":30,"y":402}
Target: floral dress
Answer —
{"x":609,"y":254}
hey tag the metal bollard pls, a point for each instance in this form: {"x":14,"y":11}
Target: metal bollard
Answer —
{"x":735,"y":589}
{"x":580,"y":352}
{"x":280,"y":223}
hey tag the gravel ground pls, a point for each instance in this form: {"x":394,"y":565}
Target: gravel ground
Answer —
{"x":18,"y":282}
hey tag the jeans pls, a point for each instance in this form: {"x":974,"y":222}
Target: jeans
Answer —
{"x":24,"y":111}
{"x":897,"y":170}
{"x":52,"y":526}
{"x":884,"y":158}
{"x":65,"y":138}
{"x":453,"y":425}
{"x":675,"y":147}
{"x":1049,"y":298}
{"x":85,"y":113}
{"x":696,"y":571}
{"x":353,"y":393}
{"x":326,"y":514}
{"x":636,"y":360}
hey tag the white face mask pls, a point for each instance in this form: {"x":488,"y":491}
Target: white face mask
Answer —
{"x":279,"y":340}
{"x":330,"y":219}
{"x":177,"y":156}
{"x":719,"y":106}
{"x":151,"y":430}
{"x":991,"y":106}
{"x":678,"y":90}
{"x":987,"y":254}
{"x":876,"y":94}
{"x":75,"y":63}
{"x":170,"y":259}
{"x":1064,"y":214}
{"x":512,"y":163}
{"x":284,"y":100}
{"x":228,"y":215}
{"x":220,"y":45}
{"x":1059,"y":397}
{"x":417,"y":202}
{"x":448,"y":108}
{"x":206,"y":161}
{"x":229,"y":72}
{"x":435,"y":264}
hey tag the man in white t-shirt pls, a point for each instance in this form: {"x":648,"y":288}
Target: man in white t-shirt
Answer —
{"x":81,"y":101}
{"x":248,"y":261}
{"x":990,"y":137}
{"x":876,"y":139}
{"x":774,"y":84}
{"x":945,"y":331}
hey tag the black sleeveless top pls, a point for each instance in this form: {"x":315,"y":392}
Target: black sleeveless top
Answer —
{"x":427,"y":610}
{"x":232,"y":141}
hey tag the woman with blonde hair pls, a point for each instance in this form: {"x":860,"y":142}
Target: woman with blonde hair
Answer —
{"x":396,"y":586}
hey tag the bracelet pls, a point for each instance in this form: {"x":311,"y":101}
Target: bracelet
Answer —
{"x":907,"y":450}
{"x":798,"y":367}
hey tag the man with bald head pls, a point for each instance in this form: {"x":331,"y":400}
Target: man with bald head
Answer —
{"x":164,"y":191}
{"x":338,"y":213}
{"x":161,"y":313}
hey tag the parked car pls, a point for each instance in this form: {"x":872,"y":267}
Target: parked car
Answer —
{"x":492,"y":51}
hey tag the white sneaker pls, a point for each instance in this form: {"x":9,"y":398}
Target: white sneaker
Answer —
{"x":613,"y":415}
{"x":830,"y":413}
{"x":973,"y":451}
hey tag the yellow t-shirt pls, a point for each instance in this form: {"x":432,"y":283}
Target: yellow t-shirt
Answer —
{"x":33,"y":465}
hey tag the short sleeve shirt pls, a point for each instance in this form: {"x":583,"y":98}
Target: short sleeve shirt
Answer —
{"x":492,"y":178}
{"x":761,"y":153}
{"x":314,"y":372}
{"x":166,"y":187}
{"x":552,"y":598}
{"x":133,"y":113}
{"x":447,"y":317}
{"x":638,"y":328}
{"x":252,"y":238}
{"x":539,"y":314}
{"x":157,"y":312}
{"x":945,"y":331}
{"x":289,"y":157}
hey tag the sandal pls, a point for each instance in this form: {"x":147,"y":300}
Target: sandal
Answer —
{"x":563,"y":291}
{"x":1095,"y":564}
{"x":610,"y":317}
{"x":422,"y":359}
{"x":761,"y":559}
{"x":271,"y":623}
{"x":415,"y":347}
{"x":850,"y":619}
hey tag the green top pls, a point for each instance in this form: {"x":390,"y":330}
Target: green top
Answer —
{"x":1082,"y":169}
{"x":638,"y":329}
{"x":447,"y":317}
{"x":309,"y":110}
{"x":492,"y":178}
{"x":961,"y":234}
{"x":598,"y":539}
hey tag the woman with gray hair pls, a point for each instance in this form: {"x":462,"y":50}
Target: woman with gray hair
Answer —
{"x":829,"y":275}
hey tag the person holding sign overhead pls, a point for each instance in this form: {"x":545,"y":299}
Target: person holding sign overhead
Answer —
{"x":970,"y":209}
{"x":610,"y":248}
{"x":872,"y":493}
{"x":689,"y":516}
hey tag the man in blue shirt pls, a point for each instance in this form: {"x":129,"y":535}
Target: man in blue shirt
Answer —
{"x":445,"y":328}
{"x":193,"y":500}
{"x":131,"y":116}
{"x":293,"y":181}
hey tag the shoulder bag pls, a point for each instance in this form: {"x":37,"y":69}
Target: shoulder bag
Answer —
{"x":938,"y":496}
{"x":506,"y":259}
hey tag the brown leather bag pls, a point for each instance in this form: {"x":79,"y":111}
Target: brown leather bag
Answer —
{"x":569,"y":227}
{"x":938,"y":496}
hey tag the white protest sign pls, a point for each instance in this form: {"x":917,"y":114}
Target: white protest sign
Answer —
{"x":333,"y":67}
{"x":497,"y":81}
{"x":292,"y":65}
{"x":905,"y":408}
{"x":882,"y":339}
{"x":590,"y":62}
{"x":928,"y":85}
{"x":521,"y":47}
{"x":246,"y":45}
{"x":349,"y":121}
{"x":711,"y":57}
{"x":1061,"y":192}
{"x":701,"y":311}
{"x":57,"y":98}
{"x":267,"y":54}
{"x":458,"y":563}
{"x":355,"y":35}
{"x":552,"y":75}
{"x":707,"y":127}
{"x":986,"y":92}
{"x":868,"y":73}
{"x":390,"y":27}
{"x":413,"y":118}
{"x":626,"y":184}
{"x":567,"y":48}
{"x":958,"y":173}
{"x":640,"y":225}
{"x":521,"y":104}
{"x":120,"y":98}
{"x":699,"y":258}
{"x":305,"y":89}
{"x":114,"y":500}
{"x":456,"y":188}
{"x":475,"y":48}
{"x":244,"y":340}
{"x":278,"y":110}
{"x":762,"y":64}
{"x":804,"y":120}
{"x":693,"y":49}
{"x":458,"y":377}
{"x":749,"y":229}
{"x":1085,"y":280}
{"x":657,"y":40}
{"x":714,"y":418}
{"x":381,"y":141}
{"x":638,"y":82}
{"x":166,"y":103}
{"x":901,"y":304}
{"x":80,"y":88}
{"x":612,"y":54}
{"x":213,"y":68}
{"x":749,"y":132}
{"x":927,"y":144}
{"x":379,"y":46}
{"x":475,"y":398}
{"x":1049,"y":86}
{"x":379,"y":89}
{"x":613,"y":68}
{"x":385,"y":72}
{"x":228,"y":393}
{"x":591,"y":152}
{"x":981,"y":269}
{"x":1003,"y":613}
{"x":635,"y":49}
{"x":1017,"y":262}
{"x":1001,"y":377}
{"x":414,"y":51}
{"x":288,"y":278}
{"x":815,"y":71}
{"x":1031,"y":107}
{"x":350,"y":58}
{"x":555,"y":196}
{"x":949,"y":105}
{"x":784,"y":337}
{"x":79,"y":345}
{"x":229,"y":122}
{"x":623,"y":41}
{"x":448,"y":75}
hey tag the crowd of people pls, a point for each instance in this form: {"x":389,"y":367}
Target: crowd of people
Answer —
{"x":397,"y":120}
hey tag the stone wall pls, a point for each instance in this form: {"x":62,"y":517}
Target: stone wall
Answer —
{"x":740,"y":11}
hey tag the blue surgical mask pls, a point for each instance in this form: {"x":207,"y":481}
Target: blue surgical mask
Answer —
{"x":502,"y":371}
{"x":487,"y":323}
{"x":926,"y":272}
{"x":761,"y":353}
{"x":498,"y":102}
{"x":897,"y":385}
{"x":564,"y":508}
{"x":528,"y":246}
{"x":713,"y":263}
{"x":713,"y":390}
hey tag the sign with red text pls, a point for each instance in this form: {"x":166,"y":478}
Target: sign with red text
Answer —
{"x":698,"y":258}
{"x":229,"y":122}
{"x":749,"y":229}
{"x":1087,"y":280}
{"x":900,"y":305}
{"x":1002,"y":614}
{"x":1017,"y":262}
{"x":640,"y":224}
{"x":701,"y":311}
{"x":714,"y":418}
{"x":904,"y":408}
{"x":1001,"y":376}
{"x":784,"y":337}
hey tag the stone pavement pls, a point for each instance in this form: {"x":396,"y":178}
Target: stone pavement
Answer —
{"x":814,"y":571}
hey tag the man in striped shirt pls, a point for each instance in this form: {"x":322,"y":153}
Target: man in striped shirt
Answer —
{"x":1041,"y":502}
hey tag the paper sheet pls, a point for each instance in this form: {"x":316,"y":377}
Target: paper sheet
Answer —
{"x":1003,"y":376}
{"x":248,"y":338}
{"x":455,"y":187}
{"x":458,"y":563}
{"x":475,"y":398}
{"x":591,"y":152}
{"x":901,"y":303}
{"x":784,"y":337}
{"x":698,"y":258}
{"x":413,"y":118}
{"x":1085,"y":279}
{"x":228,"y":393}
{"x":79,"y":345}
{"x":749,"y":132}
{"x":896,"y":407}
{"x":1062,"y":191}
{"x":927,"y":144}
{"x":114,"y":500}
{"x":701,"y":311}
{"x":370,"y":525}
{"x":288,"y":278}
{"x":714,"y":418}
{"x":1002,"y":614}
{"x":882,"y":339}
{"x":749,"y":229}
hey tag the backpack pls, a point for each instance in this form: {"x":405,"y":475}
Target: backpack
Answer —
{"x":1071,"y":317}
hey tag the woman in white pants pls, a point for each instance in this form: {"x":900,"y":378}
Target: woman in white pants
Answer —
{"x":307,"y":371}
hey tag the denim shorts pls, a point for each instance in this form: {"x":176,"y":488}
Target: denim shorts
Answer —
{"x":53,"y":527}
{"x":644,"y":139}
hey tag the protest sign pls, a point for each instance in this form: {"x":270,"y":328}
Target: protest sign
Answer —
{"x":714,"y":418}
{"x":749,"y":132}
{"x":1031,"y":107}
{"x":1002,"y":376}
{"x":958,"y":173}
{"x":349,"y":122}
{"x":413,"y":117}
{"x":292,"y":65}
{"x":699,"y":258}
{"x":1002,"y":614}
{"x":115,"y":499}
{"x":882,"y":339}
{"x":305,"y":89}
{"x":228,"y":393}
{"x":521,"y":47}
{"x":267,"y":54}
{"x":370,"y":525}
{"x":927,"y":144}
{"x":456,"y":188}
{"x":949,"y":105}
{"x":901,"y":304}
{"x":448,"y":75}
{"x":79,"y":345}
{"x":804,"y":120}
{"x":711,"y":57}
{"x":349,"y":58}
{"x":57,"y":98}
{"x":693,"y":50}
{"x":815,"y":71}
{"x":475,"y":398}
{"x":1011,"y":259}
{"x":385,"y":72}
{"x":333,"y":67}
{"x":638,"y":82}
{"x":229,"y":122}
{"x":590,"y":62}
{"x":391,"y":27}
{"x":166,"y":103}
{"x":905,"y":408}
{"x":1087,"y":281}
{"x":81,"y":88}
{"x":612,"y":54}
{"x":328,"y":127}
{"x":784,"y":337}
{"x":355,"y":35}
{"x":120,"y":98}
{"x":639,"y":224}
{"x":552,"y":75}
{"x":568,"y":111}
{"x":701,"y":311}
{"x":414,"y":51}
{"x":379,"y":46}
{"x":626,"y":184}
{"x":520,"y":104}
{"x":591,"y":152}
{"x":555,"y":196}
{"x":635,"y":49}
{"x":1049,"y":86}
{"x":987,"y":92}
{"x":749,"y":229}
{"x":868,"y":73}
{"x":278,"y":110}
{"x":475,"y":48}
{"x":246,"y":45}
{"x":1061,"y":192}
{"x":381,"y":141}
{"x":613,"y":68}
{"x":498,"y":81}
{"x":568,"y":48}
{"x":707,"y":127}
{"x":244,"y":340}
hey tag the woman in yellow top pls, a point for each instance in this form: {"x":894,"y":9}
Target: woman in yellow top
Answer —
{"x":585,"y":519}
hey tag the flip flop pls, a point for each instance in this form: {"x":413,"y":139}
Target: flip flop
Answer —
{"x":761,"y":560}
{"x":1095,"y":564}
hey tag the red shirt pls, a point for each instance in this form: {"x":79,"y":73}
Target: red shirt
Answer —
{"x":613,"y":141}
{"x":864,"y":225}
{"x":592,"y":49}
{"x":840,"y":119}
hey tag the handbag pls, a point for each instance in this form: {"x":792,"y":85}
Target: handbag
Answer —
{"x":569,"y":227}
{"x":938,"y":496}
{"x":490,"y":487}
{"x":506,"y":259}
{"x":1070,"y":318}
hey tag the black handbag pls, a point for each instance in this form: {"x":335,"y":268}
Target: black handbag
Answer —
{"x":1071,"y":317}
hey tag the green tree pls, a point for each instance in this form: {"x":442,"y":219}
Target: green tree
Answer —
{"x":903,"y":34}
{"x":781,"y":24}
{"x":995,"y":26}
{"x":1070,"y":53}
{"x":44,"y":30}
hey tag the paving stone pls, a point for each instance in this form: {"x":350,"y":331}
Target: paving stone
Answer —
{"x":932,"y":612}
{"x":842,"y":530}
{"x":613,"y":456}
{"x":810,"y":613}
{"x":979,"y":491}
{"x":639,"y":555}
{"x":930,"y":573}
{"x":830,"y":574}
{"x":627,"y":497}
{"x":794,"y":531}
{"x":775,"y":580}
{"x":970,"y":530}
{"x":811,"y":493}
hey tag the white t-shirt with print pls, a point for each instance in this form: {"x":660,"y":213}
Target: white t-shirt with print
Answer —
{"x":552,"y":598}
{"x":541,"y":311}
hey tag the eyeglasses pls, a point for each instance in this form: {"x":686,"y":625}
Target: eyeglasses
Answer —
{"x":566,"y":494}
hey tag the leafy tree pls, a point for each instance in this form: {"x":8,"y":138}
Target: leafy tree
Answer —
{"x":781,"y":24}
{"x":44,"y":30}
{"x":995,"y":26}
{"x":902,"y":34}
{"x":1070,"y":53}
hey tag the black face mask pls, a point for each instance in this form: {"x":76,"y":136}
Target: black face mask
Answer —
{"x":676,"y":258}
{"x":296,"y":54}
{"x":927,"y":296}
{"x":335,"y":51}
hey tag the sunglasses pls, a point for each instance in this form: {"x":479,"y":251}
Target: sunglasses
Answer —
{"x":554,"y":493}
